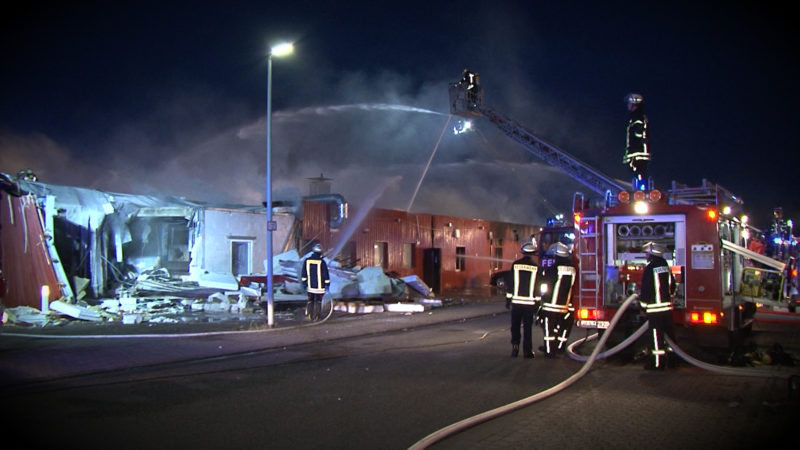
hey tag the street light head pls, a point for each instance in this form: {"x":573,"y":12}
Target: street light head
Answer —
{"x":283,"y":49}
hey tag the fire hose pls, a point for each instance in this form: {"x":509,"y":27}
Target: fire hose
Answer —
{"x":488,"y":415}
{"x":588,"y":362}
{"x":725,"y":370}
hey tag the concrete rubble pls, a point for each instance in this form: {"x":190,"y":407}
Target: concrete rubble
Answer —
{"x":156,"y":297}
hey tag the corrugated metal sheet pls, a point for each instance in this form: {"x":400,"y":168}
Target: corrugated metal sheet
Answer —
{"x":477,"y":237}
{"x":26,"y":261}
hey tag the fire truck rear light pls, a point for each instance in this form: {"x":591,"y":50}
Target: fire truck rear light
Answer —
{"x":584,"y":313}
{"x":638,"y":196}
{"x":712,"y":214}
{"x":624,"y":196}
{"x":704,"y":317}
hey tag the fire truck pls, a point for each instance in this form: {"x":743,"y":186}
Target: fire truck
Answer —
{"x":720,"y":281}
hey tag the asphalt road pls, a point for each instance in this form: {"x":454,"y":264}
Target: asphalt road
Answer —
{"x":383,"y":389}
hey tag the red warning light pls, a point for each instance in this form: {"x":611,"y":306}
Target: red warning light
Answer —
{"x":654,"y":195}
{"x":712,"y":214}
{"x":624,"y":196}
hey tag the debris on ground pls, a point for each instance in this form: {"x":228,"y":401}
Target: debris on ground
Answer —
{"x":155,"y":296}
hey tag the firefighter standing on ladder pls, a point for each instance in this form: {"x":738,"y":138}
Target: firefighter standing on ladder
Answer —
{"x":637,"y":153}
{"x":523,"y":298}
{"x":316,"y":280}
{"x":658,"y":286}
{"x":559,"y":276}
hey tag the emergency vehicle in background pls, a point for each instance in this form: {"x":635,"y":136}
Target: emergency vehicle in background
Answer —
{"x":721,"y":282}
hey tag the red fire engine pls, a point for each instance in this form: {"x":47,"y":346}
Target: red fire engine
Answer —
{"x":720,"y":281}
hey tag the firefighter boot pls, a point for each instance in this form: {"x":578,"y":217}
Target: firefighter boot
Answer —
{"x":515,"y":350}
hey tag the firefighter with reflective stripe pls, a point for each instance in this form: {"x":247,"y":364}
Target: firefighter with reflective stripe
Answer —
{"x":655,"y":300}
{"x":522,"y":296}
{"x":558,"y":278}
{"x":316,"y":280}
{"x":637,"y":153}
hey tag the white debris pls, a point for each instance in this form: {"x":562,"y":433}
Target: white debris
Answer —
{"x":432,"y":302}
{"x":404,"y":307}
{"x":224,"y":281}
{"x":75,"y":311}
{"x":131,"y":319}
{"x":198,"y":305}
{"x":357,"y":308}
{"x":163,"y":319}
{"x":217,"y":302}
{"x":25,"y":315}
{"x":128,"y":304}
{"x":372,"y":281}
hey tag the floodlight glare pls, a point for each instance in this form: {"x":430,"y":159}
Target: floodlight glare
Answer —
{"x":283,"y":49}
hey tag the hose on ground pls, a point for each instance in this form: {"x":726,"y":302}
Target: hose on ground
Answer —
{"x":739,"y":371}
{"x":488,"y":415}
{"x":725,"y":370}
{"x":612,"y":351}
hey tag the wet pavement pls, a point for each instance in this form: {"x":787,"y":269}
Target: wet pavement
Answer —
{"x":615,"y":405}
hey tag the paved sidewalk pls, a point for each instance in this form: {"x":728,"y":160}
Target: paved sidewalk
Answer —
{"x":42,"y":354}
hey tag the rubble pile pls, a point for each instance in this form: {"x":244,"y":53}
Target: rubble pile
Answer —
{"x":155,"y":296}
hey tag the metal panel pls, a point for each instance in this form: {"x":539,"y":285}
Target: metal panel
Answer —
{"x":26,"y":262}
{"x":479,"y":238}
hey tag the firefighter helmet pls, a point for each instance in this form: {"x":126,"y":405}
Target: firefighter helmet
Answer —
{"x":528,"y":248}
{"x":560,"y":249}
{"x":317,"y":248}
{"x":654,"y":248}
{"x":634,"y":99}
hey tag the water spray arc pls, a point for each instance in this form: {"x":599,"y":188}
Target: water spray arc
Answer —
{"x":428,"y":165}
{"x":361,"y":214}
{"x":325,"y":110}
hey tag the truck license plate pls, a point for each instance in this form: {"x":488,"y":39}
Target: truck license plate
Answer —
{"x":603,"y":324}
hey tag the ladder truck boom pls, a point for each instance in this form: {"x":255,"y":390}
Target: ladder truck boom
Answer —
{"x":466,"y":99}
{"x":721,"y":280}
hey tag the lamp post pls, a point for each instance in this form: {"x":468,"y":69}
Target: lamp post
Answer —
{"x":279,"y":51}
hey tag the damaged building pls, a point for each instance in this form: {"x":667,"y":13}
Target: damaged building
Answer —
{"x":83,"y":243}
{"x":71,"y":243}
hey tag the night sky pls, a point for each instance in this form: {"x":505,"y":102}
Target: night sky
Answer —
{"x":168,"y":98}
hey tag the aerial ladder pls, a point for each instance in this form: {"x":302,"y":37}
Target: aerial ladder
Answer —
{"x":466,"y":100}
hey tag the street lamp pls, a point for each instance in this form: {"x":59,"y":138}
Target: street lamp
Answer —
{"x":279,"y":50}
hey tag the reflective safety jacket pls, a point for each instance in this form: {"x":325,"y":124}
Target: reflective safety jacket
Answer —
{"x":559,"y":280}
{"x":521,"y":285}
{"x":658,"y":285}
{"x":636,"y":148}
{"x":315,"y":274}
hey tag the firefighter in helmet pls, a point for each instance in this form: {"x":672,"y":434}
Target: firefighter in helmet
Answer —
{"x":558,"y":274}
{"x":637,"y":152}
{"x":522,"y":296}
{"x":655,"y":300}
{"x":316,"y":280}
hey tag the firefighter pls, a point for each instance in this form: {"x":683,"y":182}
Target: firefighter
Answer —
{"x":473,"y":88}
{"x":523,"y":299}
{"x":316,"y":280}
{"x":637,"y":153}
{"x":658,"y":286}
{"x":558,"y":277}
